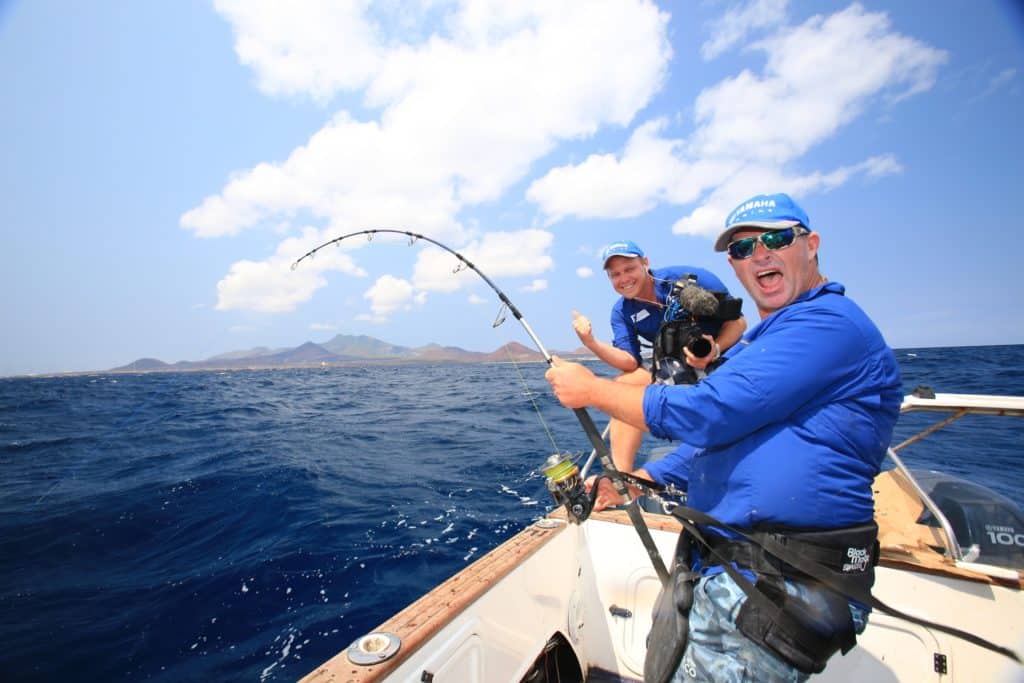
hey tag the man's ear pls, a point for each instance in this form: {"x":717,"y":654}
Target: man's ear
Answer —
{"x":813,"y":242}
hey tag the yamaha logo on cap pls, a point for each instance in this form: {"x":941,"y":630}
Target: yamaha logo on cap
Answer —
{"x":763,"y":206}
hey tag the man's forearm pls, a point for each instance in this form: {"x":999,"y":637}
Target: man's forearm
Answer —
{"x":613,"y":356}
{"x":576,"y":386}
{"x":731,"y":332}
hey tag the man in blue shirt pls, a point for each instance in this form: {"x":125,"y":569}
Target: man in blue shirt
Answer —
{"x":638,"y":314}
{"x":788,"y":434}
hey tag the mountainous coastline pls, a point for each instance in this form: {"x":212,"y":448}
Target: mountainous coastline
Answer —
{"x":342,"y":350}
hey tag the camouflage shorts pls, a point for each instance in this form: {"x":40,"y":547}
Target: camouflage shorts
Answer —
{"x":718,"y":652}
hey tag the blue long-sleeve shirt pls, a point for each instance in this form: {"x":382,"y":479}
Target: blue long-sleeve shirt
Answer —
{"x":792,"y":429}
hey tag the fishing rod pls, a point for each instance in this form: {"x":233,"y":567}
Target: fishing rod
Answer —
{"x":563,"y":480}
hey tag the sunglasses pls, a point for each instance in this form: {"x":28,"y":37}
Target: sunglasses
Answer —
{"x":772,"y":240}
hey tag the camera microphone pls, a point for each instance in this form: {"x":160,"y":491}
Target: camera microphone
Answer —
{"x":698,"y":301}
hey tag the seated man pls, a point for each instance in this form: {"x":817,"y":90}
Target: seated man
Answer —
{"x":639,"y":313}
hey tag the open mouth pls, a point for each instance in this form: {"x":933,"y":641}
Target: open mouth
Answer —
{"x":768,"y":278}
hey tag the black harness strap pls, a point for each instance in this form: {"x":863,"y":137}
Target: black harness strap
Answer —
{"x":850,"y":553}
{"x":829,"y":578}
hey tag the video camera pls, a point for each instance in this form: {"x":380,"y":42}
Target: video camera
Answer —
{"x":686,"y":307}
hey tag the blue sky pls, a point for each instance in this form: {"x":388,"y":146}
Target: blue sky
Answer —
{"x":166,"y":161}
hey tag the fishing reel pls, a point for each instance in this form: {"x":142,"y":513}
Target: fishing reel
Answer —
{"x":566,"y":487}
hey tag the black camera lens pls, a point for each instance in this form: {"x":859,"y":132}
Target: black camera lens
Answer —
{"x":699,"y":346}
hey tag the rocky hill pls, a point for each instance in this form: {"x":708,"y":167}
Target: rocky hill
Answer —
{"x":346,"y":350}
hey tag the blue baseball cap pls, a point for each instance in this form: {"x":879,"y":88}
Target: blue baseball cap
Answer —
{"x":624,"y":248}
{"x":769,"y":211}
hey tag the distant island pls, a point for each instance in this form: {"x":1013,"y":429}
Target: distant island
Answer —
{"x":345,"y":350}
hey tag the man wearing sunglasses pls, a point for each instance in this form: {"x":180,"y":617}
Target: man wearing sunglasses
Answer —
{"x":788,"y":435}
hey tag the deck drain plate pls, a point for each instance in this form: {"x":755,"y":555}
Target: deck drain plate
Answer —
{"x":374,"y":648}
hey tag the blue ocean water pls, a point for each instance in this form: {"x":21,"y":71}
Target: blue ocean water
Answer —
{"x":249,"y":525}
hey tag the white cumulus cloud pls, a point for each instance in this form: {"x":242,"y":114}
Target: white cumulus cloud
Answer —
{"x":314,"y":47}
{"x":495,"y":254}
{"x":389,"y":294}
{"x":738,"y":22}
{"x":609,"y":186}
{"x":461,"y":99}
{"x":749,"y":128}
{"x":535,"y":286}
{"x":273,"y":286}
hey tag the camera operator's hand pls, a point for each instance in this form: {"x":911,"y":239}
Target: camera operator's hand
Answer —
{"x":584,"y":330}
{"x":701,"y":362}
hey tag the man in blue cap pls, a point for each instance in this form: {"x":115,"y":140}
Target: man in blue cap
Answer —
{"x":789,"y":435}
{"x":639,"y":313}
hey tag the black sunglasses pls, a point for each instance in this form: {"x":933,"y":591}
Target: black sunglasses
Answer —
{"x":773,"y":240}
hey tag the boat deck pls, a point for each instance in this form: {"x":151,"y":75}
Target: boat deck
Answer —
{"x":905,"y":544}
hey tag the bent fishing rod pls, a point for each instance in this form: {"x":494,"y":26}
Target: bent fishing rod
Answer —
{"x":563,"y":476}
